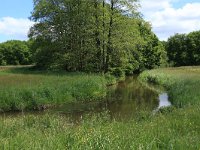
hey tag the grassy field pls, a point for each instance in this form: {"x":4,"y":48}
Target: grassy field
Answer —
{"x":24,"y":88}
{"x":176,"y":127}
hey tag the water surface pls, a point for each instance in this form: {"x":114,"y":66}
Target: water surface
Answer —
{"x":123,"y":101}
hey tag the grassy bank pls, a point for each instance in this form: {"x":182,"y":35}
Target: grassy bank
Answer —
{"x":171,"y":128}
{"x":24,"y":88}
{"x":182,"y":83}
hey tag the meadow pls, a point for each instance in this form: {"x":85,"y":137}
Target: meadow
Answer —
{"x":175,"y":127}
{"x":24,"y":88}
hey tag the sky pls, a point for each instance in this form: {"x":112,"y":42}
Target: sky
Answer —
{"x":14,"y":22}
{"x":167,"y":17}
{"x":172,"y":16}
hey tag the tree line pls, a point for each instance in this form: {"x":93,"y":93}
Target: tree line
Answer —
{"x":97,"y":36}
{"x":15,"y":52}
{"x":184,"y":49}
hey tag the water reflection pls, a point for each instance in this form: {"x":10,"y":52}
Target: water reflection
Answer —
{"x":164,"y":100}
{"x":129,"y":97}
{"x":123,"y":101}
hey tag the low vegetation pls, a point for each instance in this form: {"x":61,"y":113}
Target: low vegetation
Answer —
{"x":182,"y":83}
{"x":170,"y":128}
{"x":23,"y":88}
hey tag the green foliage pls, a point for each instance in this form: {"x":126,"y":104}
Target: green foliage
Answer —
{"x":110,"y":79}
{"x":15,"y":53}
{"x":117,"y":72}
{"x":183,"y":50}
{"x":153,"y":51}
{"x":93,"y":36}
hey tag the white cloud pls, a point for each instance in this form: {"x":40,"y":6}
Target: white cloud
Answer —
{"x":167,"y":20}
{"x":14,"y":28}
{"x":154,"y":5}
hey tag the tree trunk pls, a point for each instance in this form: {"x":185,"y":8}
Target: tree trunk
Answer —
{"x":109,"y":45}
{"x":97,"y":35}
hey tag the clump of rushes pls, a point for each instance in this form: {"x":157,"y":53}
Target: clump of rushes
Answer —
{"x":22,"y":89}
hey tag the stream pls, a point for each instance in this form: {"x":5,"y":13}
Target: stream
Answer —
{"x":123,"y":101}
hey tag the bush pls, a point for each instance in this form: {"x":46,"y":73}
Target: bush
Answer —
{"x":110,"y":79}
{"x":119,"y":73}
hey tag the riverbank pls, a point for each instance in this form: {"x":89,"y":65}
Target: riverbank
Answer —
{"x":182,"y":83}
{"x":171,"y":128}
{"x":168,"y":130}
{"x":22,"y":88}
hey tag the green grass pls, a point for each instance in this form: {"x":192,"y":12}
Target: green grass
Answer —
{"x":24,"y":88}
{"x":171,"y":128}
{"x":182,"y":83}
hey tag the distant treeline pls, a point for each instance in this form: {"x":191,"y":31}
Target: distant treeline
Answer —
{"x":184,"y":49}
{"x":15,"y":52}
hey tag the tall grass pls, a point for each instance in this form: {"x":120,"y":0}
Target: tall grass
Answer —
{"x":21,"y":88}
{"x":170,"y":128}
{"x":173,"y":130}
{"x":182,"y":83}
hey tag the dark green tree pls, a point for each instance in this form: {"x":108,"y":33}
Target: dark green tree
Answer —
{"x":183,"y":49}
{"x":15,"y":52}
{"x":193,"y":47}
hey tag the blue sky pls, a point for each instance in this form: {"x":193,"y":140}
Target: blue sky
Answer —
{"x":14,"y":23}
{"x":166,"y":16}
{"x":16,"y":8}
{"x":181,"y":3}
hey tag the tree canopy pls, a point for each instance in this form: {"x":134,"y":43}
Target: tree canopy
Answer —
{"x":93,"y":36}
{"x":15,"y":52}
{"x":184,"y":49}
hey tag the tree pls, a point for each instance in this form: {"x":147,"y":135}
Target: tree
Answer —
{"x":92,"y":36}
{"x":15,"y":52}
{"x":193,"y":47}
{"x":183,"y":49}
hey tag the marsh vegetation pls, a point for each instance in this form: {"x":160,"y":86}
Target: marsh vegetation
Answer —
{"x":26,"y":89}
{"x":175,"y":127}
